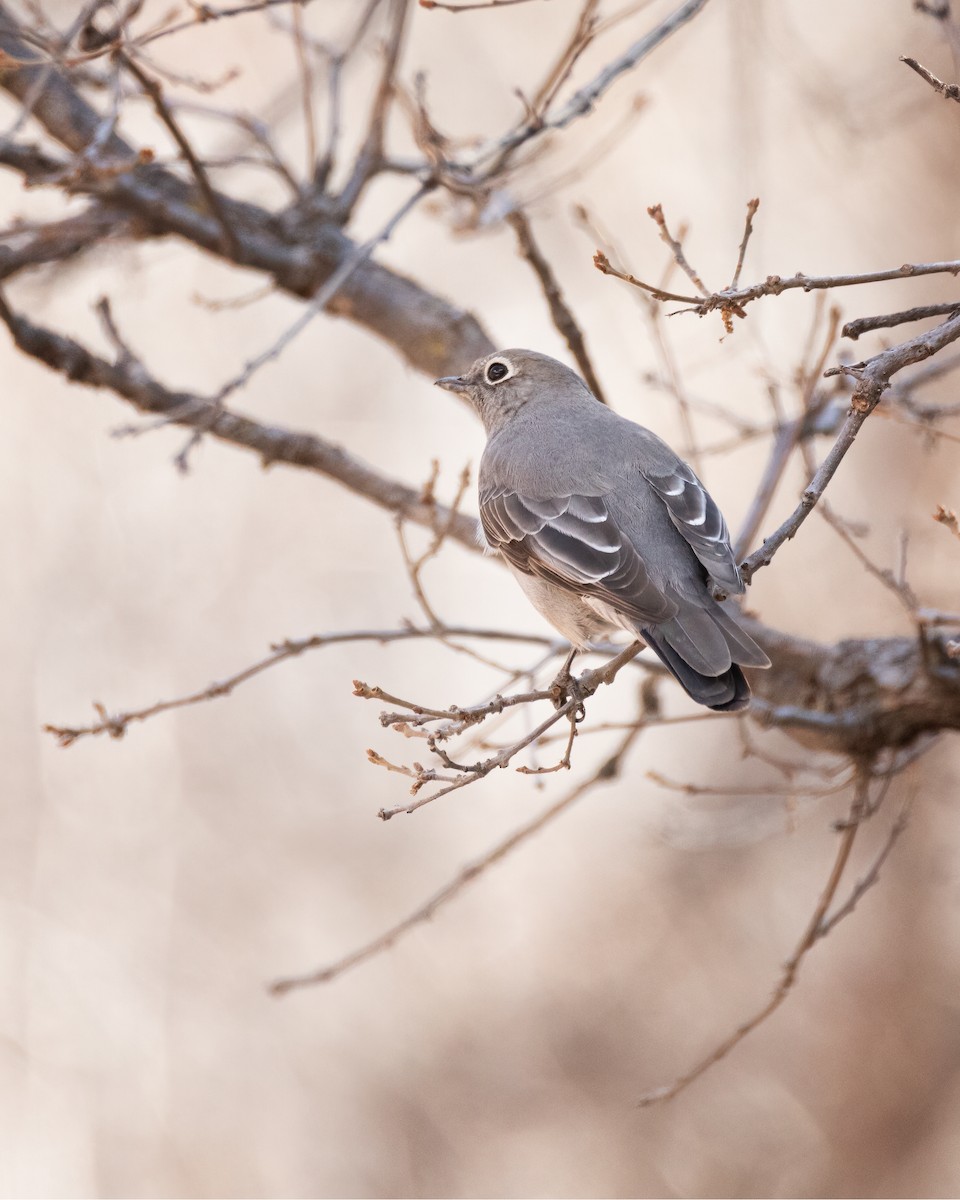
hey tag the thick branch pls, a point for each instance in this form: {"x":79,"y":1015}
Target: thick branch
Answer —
{"x":859,"y":695}
{"x":58,"y":107}
{"x":383,"y":301}
{"x":32,"y":246}
{"x":274,"y":444}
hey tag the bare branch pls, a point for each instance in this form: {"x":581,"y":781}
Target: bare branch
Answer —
{"x":563,"y":318}
{"x":30,"y":246}
{"x":155,"y":92}
{"x":323,"y":296}
{"x":949,"y":91}
{"x":873,"y":378}
{"x":752,"y":206}
{"x":586,"y":685}
{"x":653,"y":313}
{"x":817,"y":927}
{"x":853,"y":329}
{"x":734,"y":300}
{"x":899,"y":587}
{"x":655,"y":212}
{"x":386,"y":303}
{"x":271,"y":442}
{"x":455,"y":8}
{"x":872,"y":874}
{"x":490,"y":160}
{"x":457,"y":719}
{"x":787,"y":436}
{"x":306,"y":87}
{"x":383,"y":301}
{"x":603,"y":264}
{"x":370,"y":156}
{"x":116,"y":724}
{"x":583,"y":34}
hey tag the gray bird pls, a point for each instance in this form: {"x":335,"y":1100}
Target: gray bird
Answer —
{"x":604,"y":526}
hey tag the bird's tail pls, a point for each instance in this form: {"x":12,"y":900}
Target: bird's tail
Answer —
{"x":703,"y":650}
{"x":728,"y":692}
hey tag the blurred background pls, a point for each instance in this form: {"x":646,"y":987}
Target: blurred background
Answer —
{"x":153,"y":886}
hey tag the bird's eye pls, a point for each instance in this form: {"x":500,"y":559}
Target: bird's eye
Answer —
{"x":497,"y":371}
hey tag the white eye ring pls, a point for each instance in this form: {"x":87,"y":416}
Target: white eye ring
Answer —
{"x":497,"y":371}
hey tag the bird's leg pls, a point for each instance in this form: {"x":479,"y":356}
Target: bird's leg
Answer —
{"x":565,"y":687}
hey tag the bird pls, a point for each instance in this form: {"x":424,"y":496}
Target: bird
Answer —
{"x":604,"y":526}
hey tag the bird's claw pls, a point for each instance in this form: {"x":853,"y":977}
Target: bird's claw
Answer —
{"x":564,"y":688}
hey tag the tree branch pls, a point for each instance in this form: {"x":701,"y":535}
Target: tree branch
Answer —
{"x":817,"y":928}
{"x":873,"y":378}
{"x":563,"y":318}
{"x":35,"y":245}
{"x":273,"y":443}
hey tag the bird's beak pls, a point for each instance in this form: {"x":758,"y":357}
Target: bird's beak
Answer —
{"x":451,"y":383}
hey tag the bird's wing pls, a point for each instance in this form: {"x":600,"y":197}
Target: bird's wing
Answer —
{"x":694,"y":512}
{"x":573,"y":542}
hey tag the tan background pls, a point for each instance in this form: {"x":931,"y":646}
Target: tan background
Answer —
{"x":151,"y":886}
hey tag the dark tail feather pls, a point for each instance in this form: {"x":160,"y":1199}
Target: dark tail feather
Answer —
{"x":728,"y":692}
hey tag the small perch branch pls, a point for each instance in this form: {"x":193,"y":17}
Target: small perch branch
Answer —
{"x":949,"y":91}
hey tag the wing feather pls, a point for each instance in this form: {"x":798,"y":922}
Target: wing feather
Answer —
{"x":694,"y":512}
{"x":574,"y":542}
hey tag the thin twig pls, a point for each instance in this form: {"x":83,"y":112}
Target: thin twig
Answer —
{"x":655,"y":212}
{"x":752,"y":206}
{"x":321,"y":298}
{"x":603,"y":264}
{"x":873,"y":377}
{"x":306,"y":87}
{"x":155,"y":92}
{"x":815,"y":930}
{"x":787,"y":437}
{"x":668,"y":359}
{"x":454,"y":8}
{"x":735,"y":299}
{"x":784,"y":442}
{"x":116,"y":724}
{"x":586,"y":685}
{"x":580,"y":39}
{"x":370,"y":154}
{"x":901,"y":590}
{"x":872,"y":874}
{"x":564,"y":762}
{"x":415,"y":566}
{"x":950,"y":91}
{"x":490,"y":160}
{"x":738,"y":789}
{"x":561,"y":313}
{"x":273,"y":443}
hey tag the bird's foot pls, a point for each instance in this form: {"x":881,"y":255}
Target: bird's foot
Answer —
{"x":567,"y":687}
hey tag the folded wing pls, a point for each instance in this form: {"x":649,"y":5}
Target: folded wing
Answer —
{"x":573,"y":542}
{"x":694,"y":512}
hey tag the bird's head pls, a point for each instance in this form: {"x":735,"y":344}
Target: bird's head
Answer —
{"x":501,"y":384}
